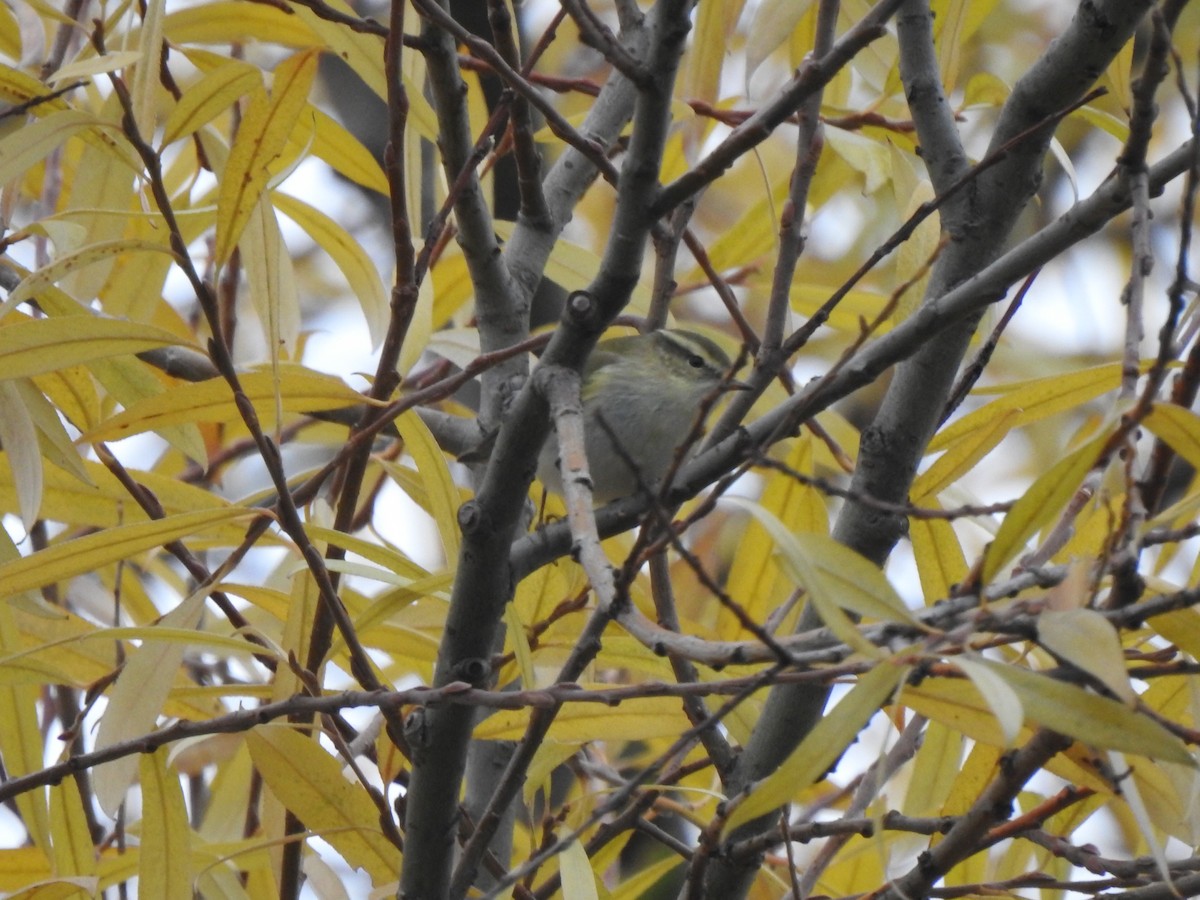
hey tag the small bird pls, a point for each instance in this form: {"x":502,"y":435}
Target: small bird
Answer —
{"x":648,"y":389}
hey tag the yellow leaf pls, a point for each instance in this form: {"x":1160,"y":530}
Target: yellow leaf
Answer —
{"x":1178,"y":427}
{"x":939,"y":556}
{"x":216,"y":92}
{"x":70,"y":263}
{"x":32,"y":142}
{"x":165,"y":864}
{"x":146,"y":74}
{"x":34,"y":346}
{"x":1090,"y":718}
{"x":440,"y":491}
{"x":19,"y":437}
{"x":17,"y":87}
{"x":270,"y":279}
{"x":823,"y":745}
{"x":63,"y":561}
{"x":638,"y":719}
{"x":1002,"y":699}
{"x":262,"y":136}
{"x":1045,"y":497}
{"x":137,"y":698}
{"x":754,"y":576}
{"x":1088,"y":641}
{"x":832,"y":571}
{"x":962,"y":456}
{"x":578,"y":879}
{"x":346,"y":154}
{"x":772,"y":24}
{"x":309,"y":782}
{"x":233,"y":22}
{"x":347,"y":252}
{"x":73,"y":851}
{"x":299,"y":390}
{"x":1033,"y":400}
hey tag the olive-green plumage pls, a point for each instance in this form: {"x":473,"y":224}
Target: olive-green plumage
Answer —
{"x":648,"y":389}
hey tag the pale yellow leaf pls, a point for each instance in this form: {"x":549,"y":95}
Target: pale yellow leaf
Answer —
{"x":270,"y":280}
{"x":1034,"y":400}
{"x":347,"y":252}
{"x":1087,"y":640}
{"x":309,"y":782}
{"x":346,"y":154}
{"x":772,"y":24}
{"x":1045,"y":497}
{"x":87,"y":66}
{"x":62,"y":561}
{"x":214,"y":93}
{"x":823,"y":745}
{"x":17,"y":87}
{"x":147,"y":72}
{"x":73,"y":851}
{"x":137,"y":698}
{"x":831,"y":570}
{"x":1177,"y":427}
{"x":869,"y":157}
{"x":32,"y":142}
{"x":71,"y":263}
{"x":518,"y":641}
{"x":1090,"y":718}
{"x":1001,"y":698}
{"x":939,"y":556}
{"x":962,"y":456}
{"x":440,"y":491}
{"x":578,"y":879}
{"x":165,"y":864}
{"x":33,"y":346}
{"x":299,"y":390}
{"x":19,"y":438}
{"x":232,"y":22}
{"x":266,"y":125}
{"x":638,"y":719}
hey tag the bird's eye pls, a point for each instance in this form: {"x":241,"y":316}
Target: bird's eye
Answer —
{"x":696,"y":361}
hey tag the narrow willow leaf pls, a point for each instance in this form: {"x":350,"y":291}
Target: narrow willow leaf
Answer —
{"x":1087,"y":640}
{"x":1090,"y":718}
{"x":165,"y":863}
{"x":34,"y":346}
{"x":309,"y":782}
{"x":962,"y":456}
{"x":73,"y":852}
{"x":832,"y":570}
{"x":1044,"y":498}
{"x":823,"y":745}
{"x":19,"y":437}
{"x":33,"y":142}
{"x":266,"y":125}
{"x":65,"y":560}
{"x":1178,"y":427}
{"x":1034,"y":400}
{"x":216,"y":92}
{"x":638,"y":719}
{"x":440,"y":490}
{"x":136,"y":700}
{"x":348,"y":254}
{"x":578,"y":879}
{"x":1002,"y":699}
{"x":298,"y":390}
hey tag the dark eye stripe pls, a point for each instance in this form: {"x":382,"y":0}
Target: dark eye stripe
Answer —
{"x":694,"y":349}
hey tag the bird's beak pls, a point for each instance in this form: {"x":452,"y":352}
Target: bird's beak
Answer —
{"x":734,"y":385}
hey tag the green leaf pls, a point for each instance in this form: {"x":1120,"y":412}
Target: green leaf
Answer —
{"x":823,"y":745}
{"x":1090,"y":718}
